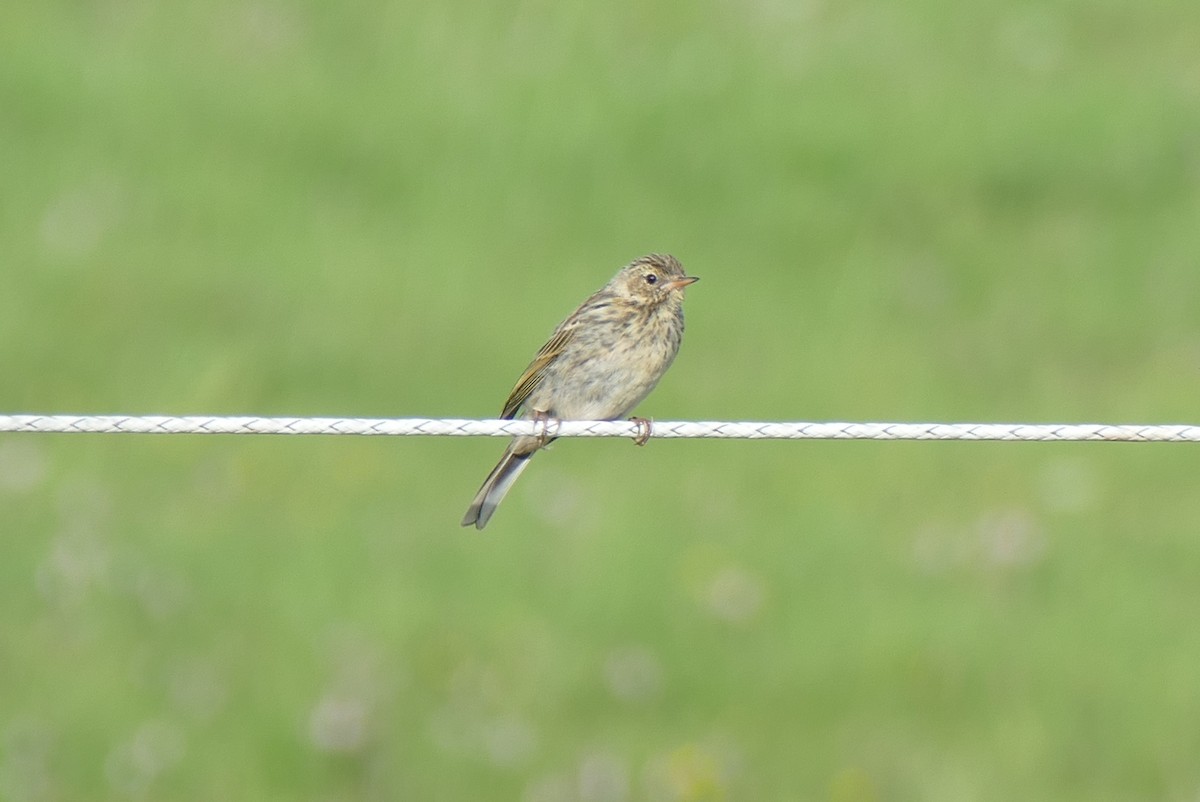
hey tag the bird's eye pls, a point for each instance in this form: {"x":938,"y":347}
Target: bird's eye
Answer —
{"x":651,"y":278}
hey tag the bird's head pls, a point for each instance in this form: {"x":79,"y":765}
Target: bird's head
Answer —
{"x":653,"y":279}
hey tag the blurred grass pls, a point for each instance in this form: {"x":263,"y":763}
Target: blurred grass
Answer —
{"x":932,"y":211}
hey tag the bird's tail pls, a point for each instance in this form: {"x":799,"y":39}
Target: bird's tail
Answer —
{"x":495,"y":487}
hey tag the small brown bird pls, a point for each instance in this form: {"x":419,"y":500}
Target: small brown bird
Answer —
{"x":598,"y":364}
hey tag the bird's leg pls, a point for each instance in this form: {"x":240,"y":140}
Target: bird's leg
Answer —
{"x":543,"y":417}
{"x":644,"y":428}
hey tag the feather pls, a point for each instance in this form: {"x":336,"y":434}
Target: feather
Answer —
{"x":536,"y":371}
{"x":495,"y":488}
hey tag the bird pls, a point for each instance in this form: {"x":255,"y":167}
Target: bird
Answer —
{"x":598,"y":364}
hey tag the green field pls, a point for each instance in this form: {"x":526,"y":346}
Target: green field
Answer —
{"x":924,"y":211}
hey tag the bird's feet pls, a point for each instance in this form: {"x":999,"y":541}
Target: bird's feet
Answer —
{"x":544,"y":418}
{"x":644,"y":428}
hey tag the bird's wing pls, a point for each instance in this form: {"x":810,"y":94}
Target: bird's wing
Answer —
{"x":536,"y":371}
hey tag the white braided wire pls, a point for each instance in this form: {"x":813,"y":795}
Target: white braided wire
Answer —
{"x":454,"y":427}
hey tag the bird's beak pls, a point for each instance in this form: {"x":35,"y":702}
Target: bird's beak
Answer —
{"x":680,"y":283}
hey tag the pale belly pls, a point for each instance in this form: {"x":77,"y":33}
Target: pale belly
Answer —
{"x":601,"y":384}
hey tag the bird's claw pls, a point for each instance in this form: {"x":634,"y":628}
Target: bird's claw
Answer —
{"x":644,"y":427}
{"x":544,"y":436}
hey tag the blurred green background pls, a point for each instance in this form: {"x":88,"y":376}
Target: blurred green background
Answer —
{"x":933,"y":210}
